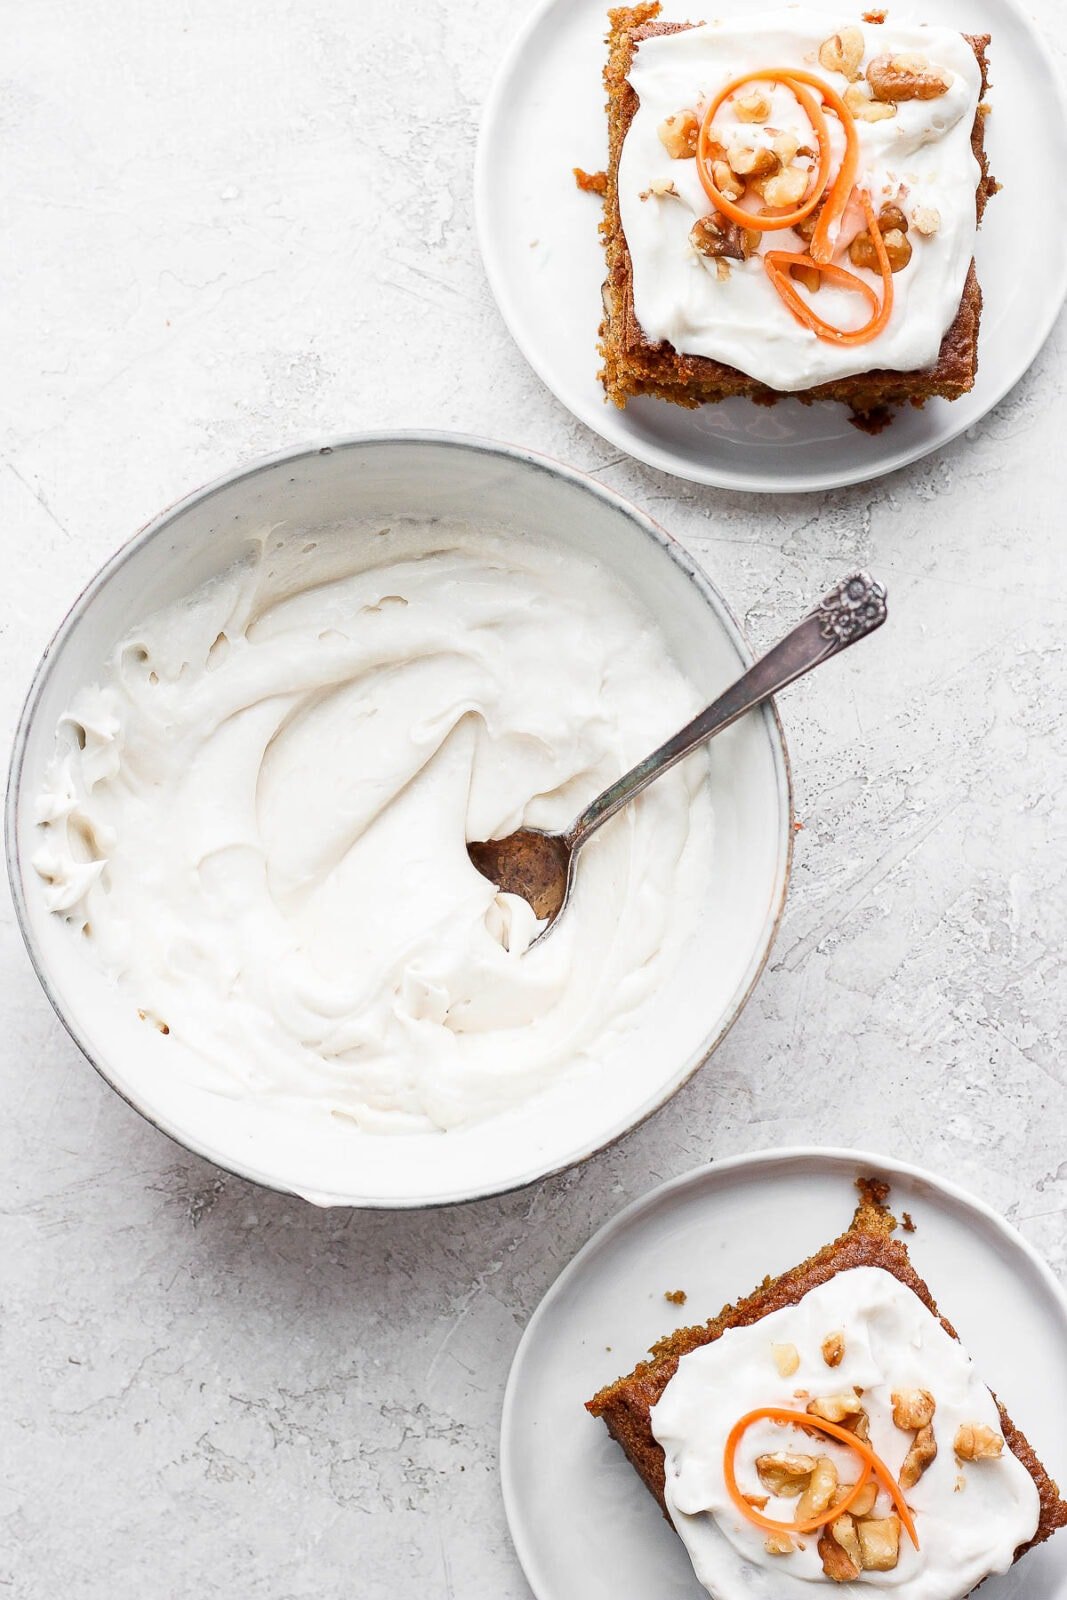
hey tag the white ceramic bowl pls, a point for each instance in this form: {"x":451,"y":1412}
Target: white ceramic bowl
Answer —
{"x":510,"y":490}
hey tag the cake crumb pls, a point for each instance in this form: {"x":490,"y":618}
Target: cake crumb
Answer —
{"x":677,"y":1297}
{"x":906,"y":1222}
{"x":798,"y":826}
{"x":878,"y":15}
{"x":591,"y":182}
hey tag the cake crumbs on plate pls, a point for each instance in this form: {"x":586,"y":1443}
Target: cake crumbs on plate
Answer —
{"x":906,"y":1222}
{"x":591,"y":182}
{"x":677,"y":1297}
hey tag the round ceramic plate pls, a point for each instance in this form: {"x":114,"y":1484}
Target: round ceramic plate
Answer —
{"x":542,"y":254}
{"x":581,"y":1520}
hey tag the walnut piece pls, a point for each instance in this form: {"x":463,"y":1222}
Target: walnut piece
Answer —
{"x":858,"y":99}
{"x":842,"y":52}
{"x":976,"y":1442}
{"x":752,"y":107}
{"x":863,"y":1504}
{"x":778,"y":1544}
{"x":785,"y":188}
{"x":905,"y":77}
{"x":718,"y":237}
{"x":820,"y":1492}
{"x":729,"y":185}
{"x":879,"y":1543}
{"x":913,"y":1408}
{"x":926,"y":220}
{"x":810,"y":277}
{"x":752,"y":161}
{"x":839,"y":1408}
{"x":660,"y":188}
{"x":893,"y":225}
{"x":923,"y":1450}
{"x":786,"y":1359}
{"x":678,"y":134}
{"x":833,"y":1349}
{"x":784,"y":1473}
{"x":839,"y":1549}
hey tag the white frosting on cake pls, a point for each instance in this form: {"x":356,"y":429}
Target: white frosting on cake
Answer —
{"x":921,"y":157}
{"x":970,"y":1517}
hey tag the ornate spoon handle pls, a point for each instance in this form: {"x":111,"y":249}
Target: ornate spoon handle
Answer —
{"x":855,"y":608}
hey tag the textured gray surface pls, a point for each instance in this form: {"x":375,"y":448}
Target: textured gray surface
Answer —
{"x":227,"y":232}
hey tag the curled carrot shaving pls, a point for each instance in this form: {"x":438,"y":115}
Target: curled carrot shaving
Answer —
{"x":779,"y":263}
{"x":798,"y":82}
{"x":802,"y":1419}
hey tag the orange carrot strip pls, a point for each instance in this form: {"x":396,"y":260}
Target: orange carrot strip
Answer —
{"x":841,"y":188}
{"x":778,"y":264}
{"x":793,"y":81}
{"x":802,"y":1419}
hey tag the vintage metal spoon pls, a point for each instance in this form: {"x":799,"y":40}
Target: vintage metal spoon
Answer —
{"x":540,"y":866}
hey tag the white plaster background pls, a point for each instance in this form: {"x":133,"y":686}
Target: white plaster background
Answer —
{"x":231,"y":225}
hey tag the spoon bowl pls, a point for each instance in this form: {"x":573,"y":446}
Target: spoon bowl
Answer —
{"x":539,"y":867}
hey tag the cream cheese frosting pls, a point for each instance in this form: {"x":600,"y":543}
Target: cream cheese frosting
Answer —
{"x":257,"y":821}
{"x":970,"y":1517}
{"x":920,"y":158}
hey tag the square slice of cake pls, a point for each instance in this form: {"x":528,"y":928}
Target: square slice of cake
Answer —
{"x":830,"y":1428}
{"x":868,"y":135}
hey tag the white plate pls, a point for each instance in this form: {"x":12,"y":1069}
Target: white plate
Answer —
{"x":582,"y":1522}
{"x":539,"y":242}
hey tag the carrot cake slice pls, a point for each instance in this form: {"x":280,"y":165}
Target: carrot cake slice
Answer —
{"x":790,"y":208}
{"x":830,"y":1428}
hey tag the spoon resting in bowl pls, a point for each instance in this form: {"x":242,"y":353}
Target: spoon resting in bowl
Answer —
{"x":539,"y":866}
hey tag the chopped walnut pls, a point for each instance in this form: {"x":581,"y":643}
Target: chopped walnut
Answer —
{"x":786,"y":1359}
{"x":785,"y":145}
{"x":810,"y":277}
{"x":758,"y":1502}
{"x":752,"y":107}
{"x":879,"y":1543}
{"x":659,"y":188}
{"x":678,"y":134}
{"x":752,"y":161}
{"x":778,"y":1544}
{"x":729,"y":185}
{"x":822,"y":1486}
{"x":837,"y":1563}
{"x":839,"y":1408}
{"x":784,"y":1473}
{"x":717,"y":236}
{"x":890,"y":217}
{"x":785,"y":188}
{"x":863,"y":1504}
{"x":843,"y":1529}
{"x":861,"y":251}
{"x":842,"y":52}
{"x":905,"y":77}
{"x":913,"y":1408}
{"x":833,"y":1349}
{"x":875,"y":16}
{"x":858,"y":99}
{"x":976,"y":1442}
{"x":923,"y":1450}
{"x":926,"y":220}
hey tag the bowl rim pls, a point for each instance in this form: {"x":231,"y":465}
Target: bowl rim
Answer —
{"x":477,"y":445}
